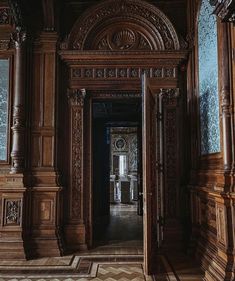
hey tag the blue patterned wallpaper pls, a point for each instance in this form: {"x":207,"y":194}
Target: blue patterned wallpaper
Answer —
{"x":4,"y":95}
{"x":208,"y":80}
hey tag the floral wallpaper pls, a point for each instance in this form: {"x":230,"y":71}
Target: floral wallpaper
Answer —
{"x":4,"y":93}
{"x":208,"y":80}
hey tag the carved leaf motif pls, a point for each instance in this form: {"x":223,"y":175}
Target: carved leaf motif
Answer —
{"x":13,"y":212}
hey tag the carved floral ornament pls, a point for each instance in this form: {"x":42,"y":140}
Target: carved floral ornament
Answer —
{"x":120,"y":25}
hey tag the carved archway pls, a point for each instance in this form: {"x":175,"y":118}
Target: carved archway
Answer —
{"x":107,"y":51}
{"x":123,"y":25}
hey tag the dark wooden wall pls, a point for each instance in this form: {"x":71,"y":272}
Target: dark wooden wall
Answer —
{"x":47,"y":170}
{"x":211,"y":179}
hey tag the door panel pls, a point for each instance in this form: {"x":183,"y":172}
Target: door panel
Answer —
{"x":149,"y":175}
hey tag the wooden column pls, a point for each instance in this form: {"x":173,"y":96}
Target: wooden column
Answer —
{"x":46,"y":191}
{"x":13,"y":233}
{"x":75,"y":229}
{"x":225,"y":97}
{"x":18,"y":128}
{"x":225,"y":205}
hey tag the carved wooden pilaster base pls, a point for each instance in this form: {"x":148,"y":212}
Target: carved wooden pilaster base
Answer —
{"x":75,"y":237}
{"x":46,"y":201}
{"x":13,"y":228}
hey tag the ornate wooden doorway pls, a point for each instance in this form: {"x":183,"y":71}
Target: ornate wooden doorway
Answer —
{"x":106,"y":53}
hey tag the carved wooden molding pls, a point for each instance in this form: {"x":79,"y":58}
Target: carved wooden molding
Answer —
{"x":116,"y":94}
{"x":123,"y":25}
{"x":76,"y":100}
{"x":224,"y":9}
{"x":122,"y":72}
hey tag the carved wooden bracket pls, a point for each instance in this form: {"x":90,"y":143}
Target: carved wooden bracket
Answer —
{"x":224,"y":9}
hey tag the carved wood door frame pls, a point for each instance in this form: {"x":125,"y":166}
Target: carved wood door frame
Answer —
{"x":103,"y":75}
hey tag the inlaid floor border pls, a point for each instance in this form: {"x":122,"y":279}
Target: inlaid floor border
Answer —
{"x":78,"y":267}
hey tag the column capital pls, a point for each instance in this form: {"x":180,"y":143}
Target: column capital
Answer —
{"x":18,"y":37}
{"x":76,"y":96}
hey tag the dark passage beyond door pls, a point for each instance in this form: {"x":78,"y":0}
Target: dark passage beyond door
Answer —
{"x":116,"y":184}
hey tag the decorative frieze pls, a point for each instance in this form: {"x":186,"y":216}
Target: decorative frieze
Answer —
{"x":123,"y":72}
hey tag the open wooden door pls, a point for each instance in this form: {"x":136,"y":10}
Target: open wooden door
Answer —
{"x":149,"y":175}
{"x":159,"y":169}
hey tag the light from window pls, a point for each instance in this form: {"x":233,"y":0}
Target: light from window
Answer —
{"x":4,"y":99}
{"x":208,"y":80}
{"x":122,"y":165}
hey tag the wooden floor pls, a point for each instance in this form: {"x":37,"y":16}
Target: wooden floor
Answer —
{"x":118,"y":257}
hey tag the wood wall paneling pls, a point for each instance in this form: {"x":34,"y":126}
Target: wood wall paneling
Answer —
{"x":46,"y":190}
{"x":211,"y":211}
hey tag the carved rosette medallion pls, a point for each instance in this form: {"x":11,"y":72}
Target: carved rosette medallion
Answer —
{"x":76,"y":100}
{"x":12,"y":212}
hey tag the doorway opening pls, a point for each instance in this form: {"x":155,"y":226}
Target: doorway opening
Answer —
{"x":117,"y":173}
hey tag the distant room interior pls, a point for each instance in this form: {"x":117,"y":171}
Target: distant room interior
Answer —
{"x":117,"y":186}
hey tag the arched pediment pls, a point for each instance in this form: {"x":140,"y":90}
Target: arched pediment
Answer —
{"x":123,"y":25}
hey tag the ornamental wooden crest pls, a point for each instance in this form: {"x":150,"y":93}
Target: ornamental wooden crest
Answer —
{"x":123,"y":25}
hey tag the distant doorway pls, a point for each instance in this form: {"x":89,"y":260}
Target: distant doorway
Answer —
{"x":117,"y":186}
